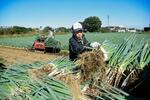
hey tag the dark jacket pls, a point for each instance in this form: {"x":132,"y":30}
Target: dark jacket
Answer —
{"x":76,"y":47}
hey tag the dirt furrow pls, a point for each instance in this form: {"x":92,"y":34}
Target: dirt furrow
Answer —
{"x":12,"y":56}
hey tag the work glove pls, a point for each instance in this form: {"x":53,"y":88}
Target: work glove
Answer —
{"x":95,"y":45}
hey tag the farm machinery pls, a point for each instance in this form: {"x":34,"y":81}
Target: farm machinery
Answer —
{"x":46,"y":44}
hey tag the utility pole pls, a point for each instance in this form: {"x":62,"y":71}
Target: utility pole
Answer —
{"x":40,"y":29}
{"x":108,"y":19}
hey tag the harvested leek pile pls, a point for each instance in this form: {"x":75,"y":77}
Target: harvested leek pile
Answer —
{"x":51,"y":80}
{"x":92,"y":65}
{"x":40,"y":73}
{"x":19,"y":83}
{"x":124,"y":68}
{"x":92,"y":76}
{"x":50,"y":42}
{"x":127,"y":60}
{"x":51,"y":70}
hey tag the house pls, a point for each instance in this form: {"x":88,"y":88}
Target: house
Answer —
{"x":131,"y":30}
{"x":121,"y":29}
{"x":117,"y":28}
{"x":112,"y":28}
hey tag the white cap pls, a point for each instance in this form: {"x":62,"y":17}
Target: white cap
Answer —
{"x":76,"y":27}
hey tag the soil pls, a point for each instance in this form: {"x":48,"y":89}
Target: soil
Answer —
{"x":14,"y":56}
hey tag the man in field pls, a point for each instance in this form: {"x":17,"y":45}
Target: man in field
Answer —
{"x":78,"y":42}
{"x":51,"y":35}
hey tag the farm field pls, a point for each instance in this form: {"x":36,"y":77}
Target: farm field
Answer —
{"x":35,"y":75}
{"x":74,"y":50}
{"x":113,"y":38}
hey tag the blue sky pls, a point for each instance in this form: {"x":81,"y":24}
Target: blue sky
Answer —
{"x":57,"y":13}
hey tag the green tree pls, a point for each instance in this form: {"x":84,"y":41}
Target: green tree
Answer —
{"x":62,"y":30}
{"x":47,"y":29}
{"x":92,"y":24}
{"x":104,"y":30}
{"x":14,"y":30}
{"x":20,"y":30}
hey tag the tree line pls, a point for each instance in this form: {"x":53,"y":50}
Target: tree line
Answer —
{"x":90,"y":24}
{"x":14,"y":30}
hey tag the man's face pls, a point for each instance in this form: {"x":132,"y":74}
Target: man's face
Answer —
{"x":79,"y":34}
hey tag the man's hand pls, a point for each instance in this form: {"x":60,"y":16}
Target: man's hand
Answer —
{"x":98,"y":45}
{"x":95,"y":44}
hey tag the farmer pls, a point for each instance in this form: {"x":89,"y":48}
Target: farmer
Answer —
{"x":78,"y":42}
{"x":51,"y":35}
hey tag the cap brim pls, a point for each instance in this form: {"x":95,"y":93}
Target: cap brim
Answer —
{"x":77,"y":30}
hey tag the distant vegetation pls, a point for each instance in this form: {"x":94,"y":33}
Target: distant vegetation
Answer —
{"x":90,"y":24}
{"x":14,"y":30}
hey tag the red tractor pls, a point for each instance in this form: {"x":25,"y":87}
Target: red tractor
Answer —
{"x":47,"y":45}
{"x":39,"y":44}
